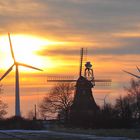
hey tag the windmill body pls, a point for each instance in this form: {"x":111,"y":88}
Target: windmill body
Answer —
{"x":83,"y":96}
{"x":84,"y":108}
{"x":17,"y":88}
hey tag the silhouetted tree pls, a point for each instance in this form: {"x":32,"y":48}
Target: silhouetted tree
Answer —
{"x":134,"y":97}
{"x":3,"y":106}
{"x":107,"y":110}
{"x":123,"y":107}
{"x":58,"y":101}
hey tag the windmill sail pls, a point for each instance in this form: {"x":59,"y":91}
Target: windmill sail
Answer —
{"x":81,"y":63}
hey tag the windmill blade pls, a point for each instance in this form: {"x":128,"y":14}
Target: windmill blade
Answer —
{"x":102,"y":80}
{"x":6,"y":73}
{"x":25,"y":65}
{"x":132,"y":74}
{"x":53,"y":80}
{"x":68,"y":80}
{"x":12,"y":52}
{"x":81,"y":62}
{"x":138,"y":68}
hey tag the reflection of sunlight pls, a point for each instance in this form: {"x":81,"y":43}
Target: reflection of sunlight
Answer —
{"x":24,"y":47}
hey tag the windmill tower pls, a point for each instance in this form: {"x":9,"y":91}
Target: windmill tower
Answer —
{"x":17,"y":88}
{"x":84,"y":106}
{"x":133,"y":74}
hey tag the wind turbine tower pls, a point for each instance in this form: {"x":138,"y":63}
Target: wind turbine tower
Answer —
{"x":17,"y":89}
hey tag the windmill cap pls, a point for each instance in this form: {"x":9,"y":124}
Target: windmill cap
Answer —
{"x":88,"y":65}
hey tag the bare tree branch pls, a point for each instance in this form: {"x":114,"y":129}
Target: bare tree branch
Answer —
{"x":59,"y":100}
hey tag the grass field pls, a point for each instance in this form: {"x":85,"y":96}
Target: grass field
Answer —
{"x":129,"y":133}
{"x":56,"y":134}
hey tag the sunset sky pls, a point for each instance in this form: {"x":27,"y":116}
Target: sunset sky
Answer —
{"x":49,"y":34}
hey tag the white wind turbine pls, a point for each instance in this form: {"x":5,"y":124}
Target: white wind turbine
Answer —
{"x":137,"y":76}
{"x":16,"y":64}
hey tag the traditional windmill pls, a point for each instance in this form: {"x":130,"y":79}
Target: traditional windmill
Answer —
{"x":133,"y":74}
{"x":16,"y":64}
{"x":84,"y":106}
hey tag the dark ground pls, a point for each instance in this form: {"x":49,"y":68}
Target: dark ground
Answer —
{"x":53,"y":135}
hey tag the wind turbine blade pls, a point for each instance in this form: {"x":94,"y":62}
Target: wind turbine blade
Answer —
{"x":6,"y":73}
{"x":11,"y":47}
{"x":132,"y":74}
{"x":138,"y":68}
{"x":25,"y":65}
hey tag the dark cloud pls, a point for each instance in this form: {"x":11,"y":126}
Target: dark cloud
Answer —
{"x":75,"y":20}
{"x":67,"y":17}
{"x":129,"y":49}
